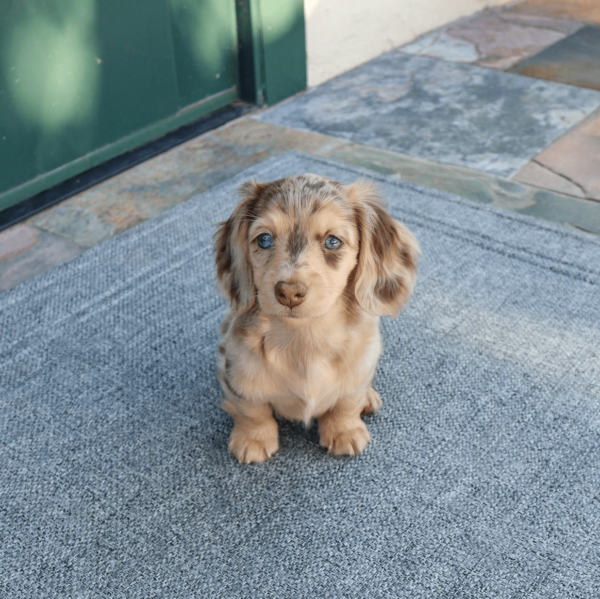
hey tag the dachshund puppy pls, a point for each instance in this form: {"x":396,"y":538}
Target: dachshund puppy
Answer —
{"x":309,"y":266}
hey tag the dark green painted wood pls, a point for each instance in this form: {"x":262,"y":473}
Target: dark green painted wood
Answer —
{"x":76,"y":75}
{"x":84,"y":80}
{"x":205,"y":47}
{"x":284,"y":48}
{"x":272,"y":43}
{"x":138,"y":138}
{"x":250,"y":51}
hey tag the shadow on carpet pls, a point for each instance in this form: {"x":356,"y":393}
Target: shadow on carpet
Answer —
{"x":483,"y":478}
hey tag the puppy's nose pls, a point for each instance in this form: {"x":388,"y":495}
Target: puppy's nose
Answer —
{"x":290,"y":294}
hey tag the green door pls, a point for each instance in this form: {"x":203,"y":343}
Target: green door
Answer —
{"x":82,"y":81}
{"x":205,"y":46}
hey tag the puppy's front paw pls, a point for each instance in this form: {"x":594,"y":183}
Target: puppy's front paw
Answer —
{"x":347,"y":440}
{"x":373,"y":402}
{"x":254,"y":445}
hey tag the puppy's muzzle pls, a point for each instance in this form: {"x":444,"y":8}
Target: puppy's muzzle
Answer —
{"x":290,"y":294}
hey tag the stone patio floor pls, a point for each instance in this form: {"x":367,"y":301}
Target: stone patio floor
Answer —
{"x":502,"y":107}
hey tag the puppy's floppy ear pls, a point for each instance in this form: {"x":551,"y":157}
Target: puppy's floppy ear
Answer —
{"x":234,"y":272}
{"x":387,"y":259}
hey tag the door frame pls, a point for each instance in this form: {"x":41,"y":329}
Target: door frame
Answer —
{"x":272,"y":49}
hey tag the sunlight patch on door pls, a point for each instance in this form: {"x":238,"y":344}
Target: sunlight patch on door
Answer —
{"x":54,"y":65}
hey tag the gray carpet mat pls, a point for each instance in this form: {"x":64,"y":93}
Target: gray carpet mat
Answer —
{"x":482,"y":480}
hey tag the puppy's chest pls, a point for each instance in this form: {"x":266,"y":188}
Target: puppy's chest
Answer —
{"x":303,"y":386}
{"x":303,"y":378}
{"x":301,"y":373}
{"x":275,"y":363}
{"x":306,"y":369}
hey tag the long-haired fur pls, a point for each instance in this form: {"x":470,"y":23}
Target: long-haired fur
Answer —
{"x":309,"y":265}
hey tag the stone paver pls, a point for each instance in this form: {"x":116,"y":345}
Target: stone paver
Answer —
{"x":492,"y":39}
{"x":75,"y":223}
{"x":48,"y":252}
{"x":16,"y":240}
{"x":454,"y":113}
{"x":579,"y":10}
{"x":574,"y":60}
{"x":158,"y":184}
{"x":536,"y":173}
{"x":476,"y":186}
{"x":566,"y":26}
{"x":253,"y":136}
{"x":573,"y":161}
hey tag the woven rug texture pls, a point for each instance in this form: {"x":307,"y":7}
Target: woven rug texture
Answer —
{"x":482,"y":480}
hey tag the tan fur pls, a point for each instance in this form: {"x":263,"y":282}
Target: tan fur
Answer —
{"x":316,"y":359}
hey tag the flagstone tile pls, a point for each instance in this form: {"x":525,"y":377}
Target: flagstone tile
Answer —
{"x":162,"y":182}
{"x":566,"y":26}
{"x":492,"y":39}
{"x":74,"y":223}
{"x":144,"y":191}
{"x":535,"y":173}
{"x":252,"y":136}
{"x":574,"y":60}
{"x":16,"y":240}
{"x":49,"y":251}
{"x":571,"y":164}
{"x":449,"y":112}
{"x":581,"y":10}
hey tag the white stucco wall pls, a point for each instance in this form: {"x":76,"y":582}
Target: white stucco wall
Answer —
{"x":341,"y":34}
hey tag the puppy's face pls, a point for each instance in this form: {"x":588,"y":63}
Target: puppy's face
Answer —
{"x":296,"y":245}
{"x":302,"y":247}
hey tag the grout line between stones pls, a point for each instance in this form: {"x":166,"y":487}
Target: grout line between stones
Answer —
{"x":562,"y":176}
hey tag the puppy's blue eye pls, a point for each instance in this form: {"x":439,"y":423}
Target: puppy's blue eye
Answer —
{"x":333,"y":243}
{"x":265,"y":241}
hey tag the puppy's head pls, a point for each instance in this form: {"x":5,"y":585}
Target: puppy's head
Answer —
{"x":297,"y":245}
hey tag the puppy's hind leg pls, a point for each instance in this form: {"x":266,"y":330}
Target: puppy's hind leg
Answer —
{"x":372,"y":402}
{"x":254,"y":437}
